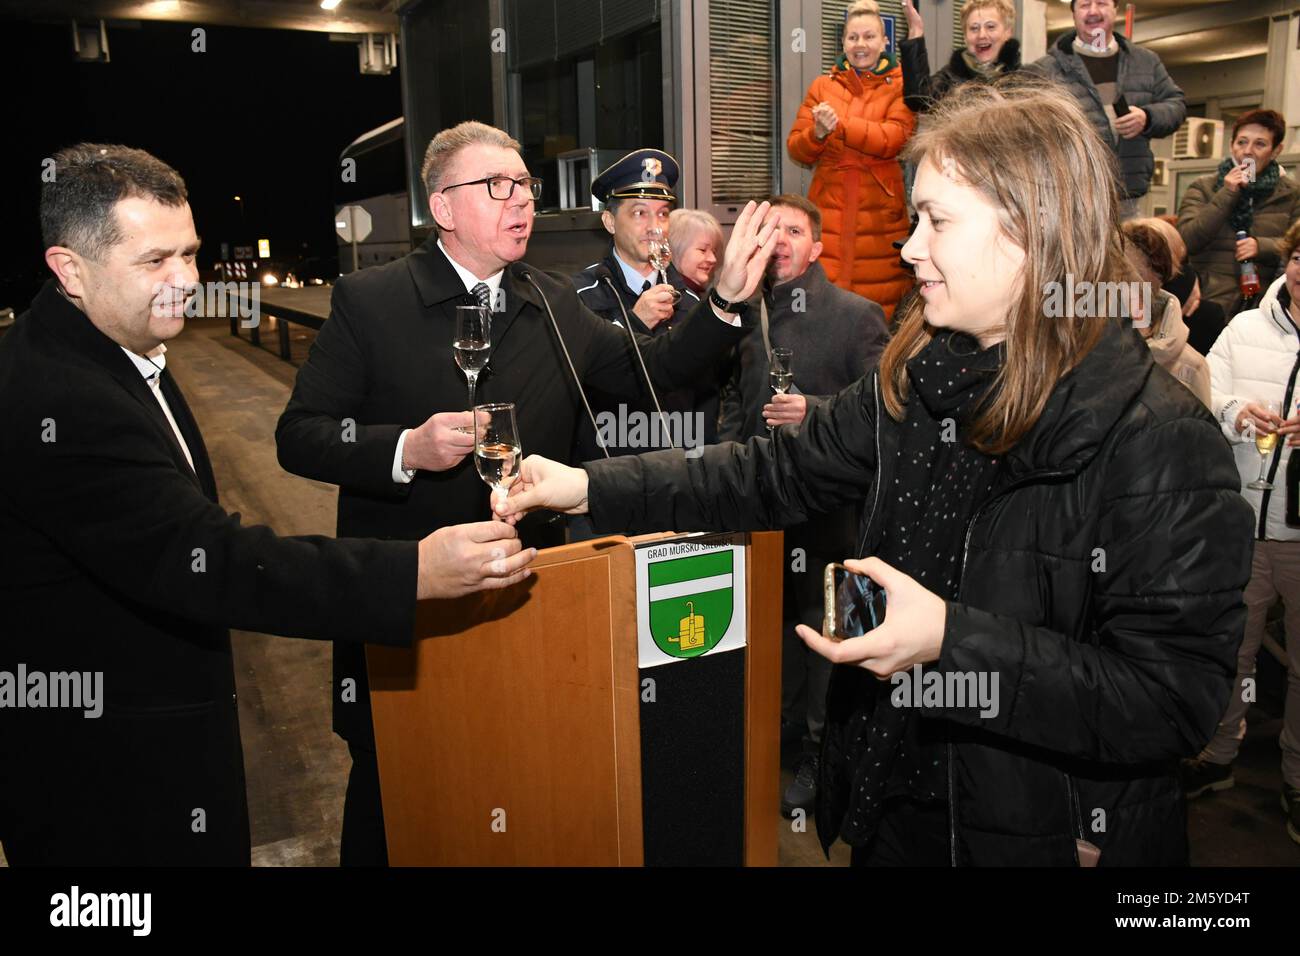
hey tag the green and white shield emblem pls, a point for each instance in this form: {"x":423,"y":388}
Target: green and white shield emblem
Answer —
{"x":691,"y":601}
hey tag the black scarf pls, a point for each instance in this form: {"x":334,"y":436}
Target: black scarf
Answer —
{"x":1242,"y":216}
{"x":939,"y":481}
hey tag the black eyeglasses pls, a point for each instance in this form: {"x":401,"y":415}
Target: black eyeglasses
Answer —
{"x":503,"y":187}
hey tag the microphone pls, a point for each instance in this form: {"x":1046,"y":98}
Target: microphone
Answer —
{"x":523,"y":273}
{"x":627,"y":322}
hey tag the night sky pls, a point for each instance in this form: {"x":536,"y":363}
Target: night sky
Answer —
{"x":262,"y":114}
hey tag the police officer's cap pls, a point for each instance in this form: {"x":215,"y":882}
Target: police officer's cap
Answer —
{"x":644,"y":174}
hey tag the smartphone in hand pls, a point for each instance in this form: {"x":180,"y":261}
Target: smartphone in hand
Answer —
{"x":853,"y":603}
{"x":1121,"y":105}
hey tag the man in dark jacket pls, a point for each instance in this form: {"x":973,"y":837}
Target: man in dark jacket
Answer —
{"x":836,"y":337}
{"x":119,"y":572}
{"x":629,"y":290}
{"x":1106,"y":73}
{"x":383,"y":362}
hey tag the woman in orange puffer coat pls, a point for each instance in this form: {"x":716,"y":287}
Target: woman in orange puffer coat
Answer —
{"x":851,"y":128}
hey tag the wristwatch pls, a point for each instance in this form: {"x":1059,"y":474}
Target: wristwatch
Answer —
{"x":722,"y":303}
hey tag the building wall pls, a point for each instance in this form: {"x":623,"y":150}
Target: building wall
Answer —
{"x":1221,"y":81}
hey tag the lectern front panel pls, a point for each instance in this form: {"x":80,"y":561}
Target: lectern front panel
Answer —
{"x":509,"y":735}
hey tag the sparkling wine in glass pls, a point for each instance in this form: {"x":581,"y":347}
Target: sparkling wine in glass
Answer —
{"x":661,"y":255}
{"x":1265,"y":442}
{"x":780,"y":375}
{"x":472,"y":343}
{"x":497,"y":451}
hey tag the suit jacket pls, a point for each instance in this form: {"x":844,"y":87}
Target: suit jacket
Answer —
{"x":383,"y":361}
{"x":117,"y":559}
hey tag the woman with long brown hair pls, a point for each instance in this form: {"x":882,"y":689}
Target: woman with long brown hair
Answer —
{"x":1063,"y":590}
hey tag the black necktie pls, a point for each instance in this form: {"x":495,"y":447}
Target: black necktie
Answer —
{"x":645,"y":288}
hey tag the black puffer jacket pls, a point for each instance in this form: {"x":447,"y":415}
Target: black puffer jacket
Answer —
{"x":922,"y":91}
{"x":1108,"y":676}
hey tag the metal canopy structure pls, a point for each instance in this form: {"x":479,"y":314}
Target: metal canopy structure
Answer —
{"x":350,"y":17}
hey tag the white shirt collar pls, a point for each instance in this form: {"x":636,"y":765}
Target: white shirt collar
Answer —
{"x":635,"y":280}
{"x":471,"y":280}
{"x":153,"y":364}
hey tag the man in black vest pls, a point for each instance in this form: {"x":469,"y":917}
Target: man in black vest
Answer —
{"x":384,"y":361}
{"x":119,"y":572}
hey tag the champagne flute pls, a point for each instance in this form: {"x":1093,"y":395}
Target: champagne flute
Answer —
{"x":471,"y":345}
{"x":1265,"y":442}
{"x":497,"y":451}
{"x":780,"y":374}
{"x":661,"y":254}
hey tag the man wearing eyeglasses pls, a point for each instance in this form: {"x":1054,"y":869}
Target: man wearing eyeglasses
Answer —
{"x":377,"y":406}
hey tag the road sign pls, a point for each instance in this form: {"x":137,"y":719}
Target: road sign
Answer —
{"x":352,"y":223}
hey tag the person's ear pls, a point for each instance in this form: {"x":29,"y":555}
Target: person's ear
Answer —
{"x":816,"y":251}
{"x":440,"y":209}
{"x":607,"y":219}
{"x":69,"y":268}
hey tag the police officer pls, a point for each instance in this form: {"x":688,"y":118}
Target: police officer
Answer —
{"x":637,"y":192}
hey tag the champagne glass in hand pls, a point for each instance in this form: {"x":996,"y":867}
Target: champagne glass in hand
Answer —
{"x":661,"y":255}
{"x":1264,"y":444}
{"x":497,"y":451}
{"x":780,"y":373}
{"x":781,"y":376}
{"x":472,"y":343}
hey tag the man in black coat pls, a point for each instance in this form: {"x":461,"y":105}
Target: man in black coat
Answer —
{"x":360,"y":416}
{"x":119,"y":572}
{"x":836,"y":337}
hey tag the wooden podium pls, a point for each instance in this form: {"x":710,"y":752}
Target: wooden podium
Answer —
{"x":511,"y":733}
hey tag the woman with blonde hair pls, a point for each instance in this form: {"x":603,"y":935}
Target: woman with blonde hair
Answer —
{"x":850,"y":129}
{"x":695,"y":240}
{"x":1056,"y":527}
{"x":991,"y":51}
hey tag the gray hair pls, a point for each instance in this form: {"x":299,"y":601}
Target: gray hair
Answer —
{"x":444,"y":147}
{"x":682,"y":226}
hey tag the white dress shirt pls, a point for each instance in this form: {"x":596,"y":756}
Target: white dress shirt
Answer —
{"x":634,"y":278}
{"x":404,"y":475}
{"x":151,"y":367}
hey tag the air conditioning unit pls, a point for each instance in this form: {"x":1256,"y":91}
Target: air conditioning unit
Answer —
{"x":1199,"y":139}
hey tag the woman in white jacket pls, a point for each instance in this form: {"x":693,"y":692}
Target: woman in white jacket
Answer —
{"x":1257,"y":358}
